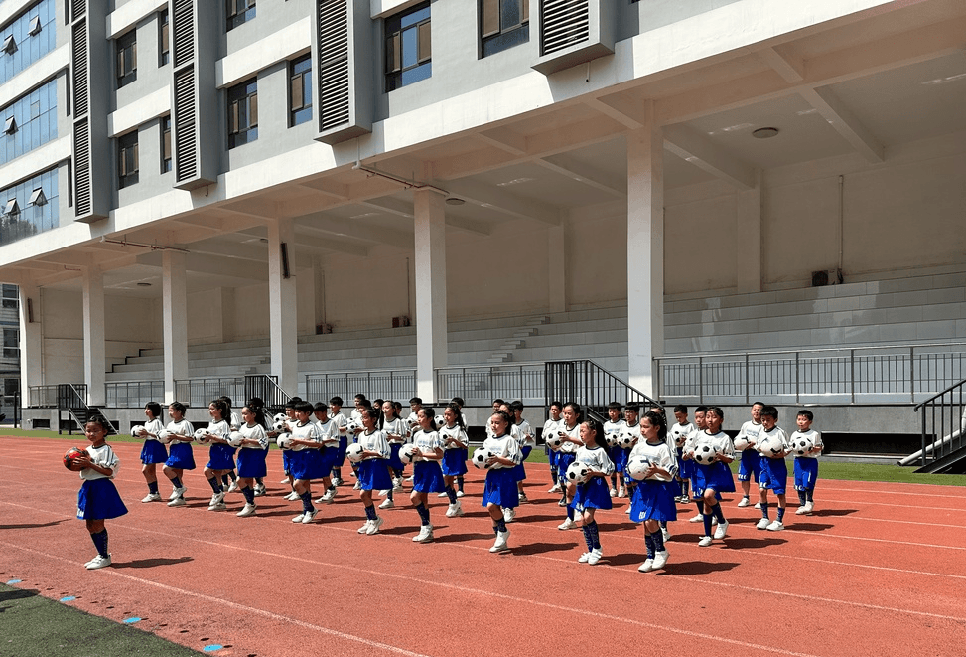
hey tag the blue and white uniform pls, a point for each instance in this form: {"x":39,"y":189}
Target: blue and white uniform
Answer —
{"x":550,"y":428}
{"x":773,"y":473}
{"x":180,"y":454}
{"x":400,"y":429}
{"x":653,"y":498}
{"x":716,"y":476}
{"x":611,"y":430}
{"x":98,"y":498}
{"x":526,"y":442}
{"x":328,"y":435}
{"x":454,"y":463}
{"x":567,"y":452}
{"x":307,"y":462}
{"x":153,"y":451}
{"x":500,"y":486}
{"x":220,"y":455}
{"x":750,"y":458}
{"x":340,"y":422}
{"x":427,"y":473}
{"x":374,"y":470}
{"x":633,"y":430}
{"x":251,"y":459}
{"x":679,"y":434}
{"x":595,"y":492}
{"x":806,"y":467}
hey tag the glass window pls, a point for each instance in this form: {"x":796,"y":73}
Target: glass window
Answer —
{"x":503,"y":24}
{"x":127,"y":58}
{"x":163,"y":38}
{"x":242,"y":113}
{"x":29,"y":122}
{"x":11,"y":343}
{"x":238,"y":12}
{"x":127,"y":159}
{"x":166,"y":144}
{"x":408,"y":47}
{"x":30,"y":219}
{"x":300,"y":90}
{"x":11,"y":387}
{"x":11,"y":296}
{"x":28,"y":37}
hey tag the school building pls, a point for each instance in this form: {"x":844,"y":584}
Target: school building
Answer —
{"x":711,"y":200}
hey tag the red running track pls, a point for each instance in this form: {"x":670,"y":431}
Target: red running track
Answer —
{"x":879,"y":569}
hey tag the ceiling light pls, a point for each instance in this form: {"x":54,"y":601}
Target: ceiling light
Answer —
{"x":452,"y":200}
{"x":143,"y":284}
{"x":765,"y":133}
{"x":515,"y":181}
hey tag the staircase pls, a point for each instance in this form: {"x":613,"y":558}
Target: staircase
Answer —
{"x":72,"y":398}
{"x":943,"y":426}
{"x":518,"y":339}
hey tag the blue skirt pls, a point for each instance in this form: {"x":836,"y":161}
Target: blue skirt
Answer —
{"x":564,"y":459}
{"x":428,"y":477}
{"x":374,"y":474}
{"x":98,"y":499}
{"x":685,"y":467}
{"x":653,"y":500}
{"x":394,"y":461}
{"x":153,"y":452}
{"x":614,"y":452}
{"x":519,"y":473}
{"x":307,"y":464}
{"x":329,"y":456}
{"x":181,"y":456}
{"x":750,"y":465}
{"x":594,"y":494}
{"x":340,"y":452}
{"x":221,"y":457}
{"x":453,"y":464}
{"x":251,"y":462}
{"x":287,"y":461}
{"x":621,"y":463}
{"x":500,"y":488}
{"x":717,"y":476}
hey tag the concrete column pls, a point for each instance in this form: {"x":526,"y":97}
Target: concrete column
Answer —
{"x":645,"y":255}
{"x":222,"y":314}
{"x":557,"y":251}
{"x":282,"y":304}
{"x":174,"y":292}
{"x":430,"y":275}
{"x":748,"y":246}
{"x":31,"y":339}
{"x":94,"y":361}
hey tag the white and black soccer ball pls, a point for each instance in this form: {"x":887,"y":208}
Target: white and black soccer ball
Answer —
{"x":284,"y":440}
{"x":280,"y":425}
{"x":136,"y":430}
{"x":554,"y":441}
{"x":802,"y":446}
{"x":626,"y":439}
{"x":612,"y":439}
{"x":680,"y":439}
{"x":164,"y":437}
{"x":742,"y":443}
{"x":354,"y":452}
{"x":480,"y":457}
{"x":577,"y":473}
{"x":352,"y":426}
{"x":705,"y":454}
{"x":409,"y":453}
{"x":201,"y":435}
{"x":637,"y":466}
{"x":770,"y":446}
{"x":279,"y":417}
{"x":440,"y":420}
{"x":235,"y":438}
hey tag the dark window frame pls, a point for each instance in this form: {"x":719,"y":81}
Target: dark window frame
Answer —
{"x":238,"y":12}
{"x":126,"y":58}
{"x":409,"y":46}
{"x":300,"y":90}
{"x":127,"y":159}
{"x":166,"y":161}
{"x":164,"y":38}
{"x":504,"y":24}
{"x":242,"y":112}
{"x":10,"y":295}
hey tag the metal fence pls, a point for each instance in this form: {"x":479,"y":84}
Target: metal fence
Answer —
{"x":479,"y":386}
{"x":943,"y":424}
{"x":836,"y":376}
{"x":61,"y":395}
{"x":133,"y":394}
{"x":376,"y":384}
{"x":197,"y":393}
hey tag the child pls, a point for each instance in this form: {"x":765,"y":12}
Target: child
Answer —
{"x":612,"y":429}
{"x":592,"y":494}
{"x":427,"y":473}
{"x":414,"y":405}
{"x":181,"y":456}
{"x":253,"y":403}
{"x":396,"y":433}
{"x":290,"y":421}
{"x":461,"y":480}
{"x":251,"y":455}
{"x":153,"y":451}
{"x":750,"y":465}
{"x":526,"y":442}
{"x":306,"y":463}
{"x":652,"y":501}
{"x":699,"y":426}
{"x":550,"y":428}
{"x":680,"y":432}
{"x":712,"y":480}
{"x":97,"y":499}
{"x":335,"y":408}
{"x":230,"y":480}
{"x":567,"y":454}
{"x":774,"y":473}
{"x":453,"y":441}
{"x":499,"y":487}
{"x":373,"y":468}
{"x":328,"y":433}
{"x":806,"y":466}
{"x":633,"y":429}
{"x":221,"y":455}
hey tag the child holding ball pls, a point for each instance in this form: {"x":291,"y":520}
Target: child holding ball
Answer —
{"x":716,"y":478}
{"x":806,"y":465}
{"x":373,"y":471}
{"x":427,"y":473}
{"x":500,"y":486}
{"x":773,"y":446}
{"x":181,"y":456}
{"x":652,"y":501}
{"x":251,"y":455}
{"x":153,"y":451}
{"x":594,"y":493}
{"x":97,"y":499}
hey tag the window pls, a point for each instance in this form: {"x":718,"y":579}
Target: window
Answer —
{"x":27,"y":37}
{"x":24,"y":219}
{"x":166,"y":144}
{"x":503,"y":24}
{"x":408,"y":47}
{"x":11,"y":343}
{"x":300,"y":90}
{"x":242,"y":113}
{"x":127,"y":159}
{"x":163,"y":38}
{"x":11,"y":296}
{"x":238,"y":12}
{"x":10,"y":45}
{"x":35,"y":26}
{"x":10,"y":126}
{"x":127,"y":58}
{"x":28,"y":122}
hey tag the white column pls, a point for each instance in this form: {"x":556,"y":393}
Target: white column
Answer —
{"x":645,"y":255}
{"x":94,"y":362}
{"x":174,"y":291}
{"x":31,"y":339}
{"x":430,"y":274}
{"x":557,"y":252}
{"x":748,"y":244}
{"x":282,"y":304}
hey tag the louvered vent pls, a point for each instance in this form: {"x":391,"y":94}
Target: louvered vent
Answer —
{"x":82,"y":169}
{"x":563,"y":24}
{"x":333,"y":64}
{"x":79,"y":68}
{"x":185,"y":124}
{"x":77,"y":9}
{"x":184,"y":32}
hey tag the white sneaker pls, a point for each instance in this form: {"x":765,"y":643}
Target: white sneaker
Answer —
{"x":425,"y":535}
{"x":508,"y":515}
{"x":763,"y":523}
{"x":248,"y":510}
{"x":744,"y":502}
{"x":595,"y":556}
{"x":387,"y":504}
{"x":455,"y":510}
{"x":365,"y":527}
{"x":562,"y":502}
{"x":216,"y":499}
{"x":152,"y":497}
{"x":613,"y":492}
{"x":567,"y":524}
{"x":298,"y":519}
{"x":666,"y":534}
{"x":259,"y":490}
{"x":522,"y":498}
{"x":178,"y":492}
{"x":800,"y":511}
{"x":443,"y":494}
{"x":410,"y":477}
{"x":554,"y":489}
{"x":383,"y":492}
{"x":722,"y":530}
{"x":326,"y":499}
{"x":217,"y":507}
{"x":622,"y":492}
{"x":660,"y":558}
{"x":808,"y":508}
{"x":309,"y":516}
{"x":627,"y":510}
{"x":775,"y":526}
{"x":178,"y":501}
{"x":758,"y":506}
{"x":98,"y":562}
{"x":705,"y":541}
{"x":291,"y":497}
{"x":233,"y":488}
{"x":374,"y":526}
{"x":356,"y":486}
{"x":500,"y":544}
{"x":646,"y":567}
{"x":338,"y":482}
{"x":696,"y":519}
{"x":285,"y":481}
{"x":584,"y":558}
{"x":459,"y":493}
{"x":714,"y":521}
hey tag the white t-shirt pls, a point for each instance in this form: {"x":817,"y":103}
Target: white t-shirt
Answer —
{"x":103,"y":456}
{"x":812,"y":434}
{"x":659,"y":454}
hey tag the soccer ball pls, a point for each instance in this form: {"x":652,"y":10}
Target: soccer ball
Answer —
{"x":802,"y":446}
{"x":770,"y":446}
{"x":70,"y":459}
{"x":354,"y":452}
{"x":164,"y":436}
{"x":577,"y":473}
{"x":742,"y":443}
{"x":136,"y":430}
{"x":440,"y":421}
{"x":680,"y":439}
{"x":637,"y":466}
{"x":284,"y":441}
{"x":201,"y":435}
{"x":480,"y":456}
{"x":351,"y":426}
{"x":279,"y":417}
{"x":280,"y":425}
{"x":554,"y":442}
{"x":612,"y":439}
{"x":235,"y":439}
{"x":626,"y":439}
{"x":409,"y":453}
{"x":705,"y":454}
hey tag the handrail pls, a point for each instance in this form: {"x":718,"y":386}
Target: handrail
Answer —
{"x":877,"y":347}
{"x":590,"y":385}
{"x":265,"y":387}
{"x":942,"y":428}
{"x":939,"y":394}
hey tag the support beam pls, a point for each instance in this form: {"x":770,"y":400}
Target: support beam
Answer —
{"x":557,"y":276}
{"x":791,"y":69}
{"x":747,"y":254}
{"x":505,"y":139}
{"x":567,"y":165}
{"x":283,"y":304}
{"x":430,"y":265}
{"x":174,"y":310}
{"x":94,"y":361}
{"x":319,"y":224}
{"x":501,"y":201}
{"x":693,"y":147}
{"x":31,"y":338}
{"x":841,"y":118}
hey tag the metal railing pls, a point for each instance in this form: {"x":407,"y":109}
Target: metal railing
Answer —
{"x":61,"y":395}
{"x":264,"y":387}
{"x":590,"y":385}
{"x":943,"y":423}
{"x":374,"y":384}
{"x":132,"y":394}
{"x":882,"y":375}
{"x":479,"y":386}
{"x":197,"y":393}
